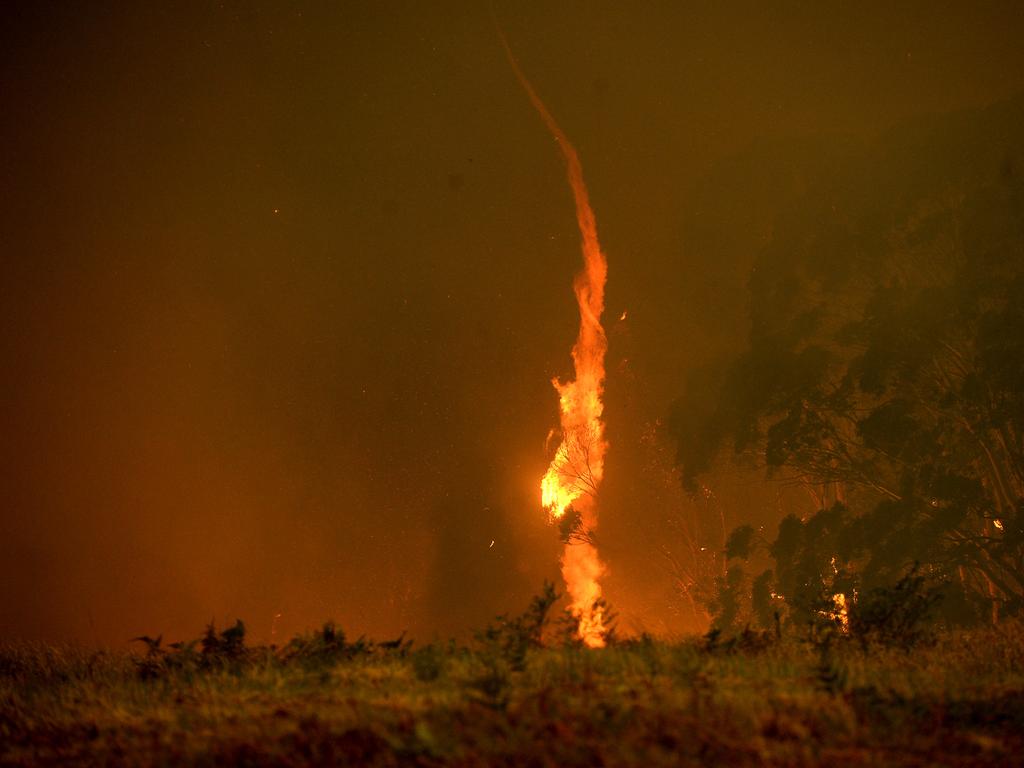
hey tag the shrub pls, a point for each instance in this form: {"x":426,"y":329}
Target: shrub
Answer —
{"x":428,"y":663}
{"x":899,"y":615}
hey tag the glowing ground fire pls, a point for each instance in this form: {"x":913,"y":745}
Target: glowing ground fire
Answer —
{"x":574,"y":476}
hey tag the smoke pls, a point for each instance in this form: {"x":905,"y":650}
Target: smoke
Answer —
{"x":282,"y":285}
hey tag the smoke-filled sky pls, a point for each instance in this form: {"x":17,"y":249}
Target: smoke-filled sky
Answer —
{"x":284,"y":285}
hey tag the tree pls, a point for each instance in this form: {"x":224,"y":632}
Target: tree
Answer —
{"x":885,"y":375}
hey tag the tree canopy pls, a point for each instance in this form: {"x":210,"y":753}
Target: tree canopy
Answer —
{"x":885,"y":374}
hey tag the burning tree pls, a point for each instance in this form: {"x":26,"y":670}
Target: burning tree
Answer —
{"x":579,"y":460}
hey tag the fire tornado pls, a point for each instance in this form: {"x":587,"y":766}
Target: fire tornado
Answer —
{"x":573,"y":478}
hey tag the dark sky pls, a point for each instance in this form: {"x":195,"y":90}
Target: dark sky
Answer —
{"x":283,"y":285}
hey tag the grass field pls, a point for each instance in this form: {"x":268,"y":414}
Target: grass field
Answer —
{"x":505,"y":700}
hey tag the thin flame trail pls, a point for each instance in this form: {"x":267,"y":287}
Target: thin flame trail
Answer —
{"x":575,"y":473}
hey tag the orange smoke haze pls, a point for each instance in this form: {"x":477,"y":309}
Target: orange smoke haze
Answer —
{"x":575,"y":472}
{"x":277,"y":344}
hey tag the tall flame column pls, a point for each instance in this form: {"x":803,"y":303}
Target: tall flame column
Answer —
{"x":574,"y":476}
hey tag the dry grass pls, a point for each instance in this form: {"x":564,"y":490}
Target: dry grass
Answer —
{"x":959,"y":701}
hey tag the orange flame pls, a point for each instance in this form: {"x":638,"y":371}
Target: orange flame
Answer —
{"x":575,"y":473}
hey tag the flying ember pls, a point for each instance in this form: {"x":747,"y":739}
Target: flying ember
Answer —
{"x":573,"y":478}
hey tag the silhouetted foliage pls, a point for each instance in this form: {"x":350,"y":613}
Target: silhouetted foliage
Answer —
{"x":225,"y":647}
{"x":513,"y":636}
{"x":898,"y":615}
{"x":428,"y":662}
{"x":885,"y":375}
{"x":570,"y":526}
{"x":740,"y":542}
